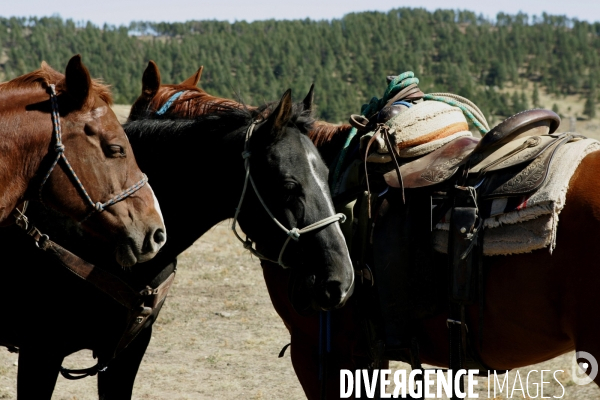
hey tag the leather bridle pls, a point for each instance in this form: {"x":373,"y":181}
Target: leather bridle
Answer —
{"x":59,"y":148}
{"x":293,"y":233}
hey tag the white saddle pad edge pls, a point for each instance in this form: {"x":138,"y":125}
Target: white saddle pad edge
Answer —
{"x":535,"y":225}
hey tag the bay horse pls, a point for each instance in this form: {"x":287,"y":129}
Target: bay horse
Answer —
{"x":537,"y":305}
{"x":178,"y":155}
{"x":61,"y":144}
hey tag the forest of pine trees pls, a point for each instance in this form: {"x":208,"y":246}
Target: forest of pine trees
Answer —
{"x":347,"y":58}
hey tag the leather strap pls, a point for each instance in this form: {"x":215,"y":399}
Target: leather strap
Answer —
{"x":140,"y":305}
{"x":411,"y":92}
{"x":153,"y":300}
{"x":103,"y":280}
{"x":394,"y":153}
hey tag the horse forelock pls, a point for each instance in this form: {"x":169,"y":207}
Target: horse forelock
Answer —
{"x":46,"y":75}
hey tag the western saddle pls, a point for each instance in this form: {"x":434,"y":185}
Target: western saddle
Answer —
{"x":460,"y":179}
{"x":500,"y":164}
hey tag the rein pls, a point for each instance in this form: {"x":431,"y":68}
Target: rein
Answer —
{"x":293,"y":233}
{"x":140,"y":305}
{"x":59,"y":148}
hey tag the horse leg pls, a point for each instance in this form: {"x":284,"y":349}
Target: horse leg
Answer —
{"x":306,"y":362}
{"x":38,"y":370}
{"x":116,"y":382}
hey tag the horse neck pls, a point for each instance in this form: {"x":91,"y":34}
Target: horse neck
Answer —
{"x":197,"y":194}
{"x":24,"y":141}
{"x":329,"y":139}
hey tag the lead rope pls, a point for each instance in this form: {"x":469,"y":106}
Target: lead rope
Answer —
{"x":469,"y":109}
{"x":59,"y":148}
{"x":293,"y":233}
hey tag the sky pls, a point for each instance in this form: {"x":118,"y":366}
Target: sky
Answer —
{"x":122,"y":12}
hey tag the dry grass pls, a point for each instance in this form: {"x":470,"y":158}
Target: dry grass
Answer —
{"x":217,"y":336}
{"x":570,"y":109}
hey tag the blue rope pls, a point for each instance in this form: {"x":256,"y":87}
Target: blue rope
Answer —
{"x":402,"y":102}
{"x":166,"y":106}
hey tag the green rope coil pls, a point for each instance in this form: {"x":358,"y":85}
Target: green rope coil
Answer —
{"x":462,"y":107}
{"x":397,"y":84}
{"x":400,"y":82}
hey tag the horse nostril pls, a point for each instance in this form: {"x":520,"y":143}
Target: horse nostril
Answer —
{"x":159,"y":236}
{"x":333,"y":290}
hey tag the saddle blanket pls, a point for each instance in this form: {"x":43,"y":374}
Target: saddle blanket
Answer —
{"x":532,"y":222}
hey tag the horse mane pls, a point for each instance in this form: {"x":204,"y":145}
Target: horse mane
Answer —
{"x":226,"y":117}
{"x":195,"y":102}
{"x":192,"y":103}
{"x":46,"y":75}
{"x":324,"y":132}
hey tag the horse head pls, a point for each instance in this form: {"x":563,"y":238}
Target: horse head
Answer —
{"x":302,"y":197}
{"x":191,"y":100}
{"x":291,"y":178}
{"x":88,"y":171}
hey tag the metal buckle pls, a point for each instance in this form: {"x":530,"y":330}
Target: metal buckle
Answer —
{"x":42,"y":241}
{"x":453,"y":321}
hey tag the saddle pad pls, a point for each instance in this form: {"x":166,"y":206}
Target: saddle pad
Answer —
{"x":419,"y":130}
{"x":530,"y":224}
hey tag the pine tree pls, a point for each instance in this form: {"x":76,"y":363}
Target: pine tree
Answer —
{"x":589,"y":109}
{"x":524,"y":102}
{"x":348,"y":57}
{"x":535,"y":97}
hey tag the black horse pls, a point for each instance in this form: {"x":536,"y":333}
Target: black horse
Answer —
{"x":197,"y":171}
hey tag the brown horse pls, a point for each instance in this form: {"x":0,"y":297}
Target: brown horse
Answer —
{"x":61,"y":144}
{"x":537,"y":305}
{"x":193,"y":101}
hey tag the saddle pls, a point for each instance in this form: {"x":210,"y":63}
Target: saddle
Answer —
{"x":460,"y":179}
{"x":501,"y":163}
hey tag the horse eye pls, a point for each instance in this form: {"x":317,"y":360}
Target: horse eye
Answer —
{"x":115,"y":150}
{"x":290,"y":186}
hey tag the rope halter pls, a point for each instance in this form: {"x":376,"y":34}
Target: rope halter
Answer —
{"x":59,"y":149}
{"x":293,"y":233}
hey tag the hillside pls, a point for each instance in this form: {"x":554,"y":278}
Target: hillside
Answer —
{"x":495,"y":63}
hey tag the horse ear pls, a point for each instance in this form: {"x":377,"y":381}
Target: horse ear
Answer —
{"x":280,"y":117}
{"x":310,"y":97}
{"x":150,"y":80}
{"x":194,"y":79}
{"x":78,"y":81}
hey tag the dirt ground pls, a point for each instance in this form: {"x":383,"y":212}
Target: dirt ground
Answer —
{"x":218,"y":337}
